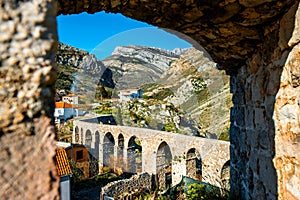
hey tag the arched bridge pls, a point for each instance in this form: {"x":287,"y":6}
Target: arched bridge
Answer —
{"x":167,"y":155}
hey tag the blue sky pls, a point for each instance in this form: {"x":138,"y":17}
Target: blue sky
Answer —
{"x":101,"y":32}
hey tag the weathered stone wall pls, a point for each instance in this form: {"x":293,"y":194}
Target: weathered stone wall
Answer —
{"x":137,"y":184}
{"x":287,"y":111}
{"x":254,"y":87}
{"x":27,"y":51}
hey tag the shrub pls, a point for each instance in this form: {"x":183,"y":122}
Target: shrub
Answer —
{"x":225,"y":134}
{"x":200,"y":191}
{"x":170,"y":127}
{"x":196,"y":192}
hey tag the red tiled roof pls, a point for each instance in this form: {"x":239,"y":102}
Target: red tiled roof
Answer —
{"x":62,"y":163}
{"x":70,"y":95}
{"x":63,"y":105}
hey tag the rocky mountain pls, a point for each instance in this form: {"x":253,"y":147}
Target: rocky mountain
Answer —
{"x":134,"y":66}
{"x":69,"y":56}
{"x":127,"y":67}
{"x":97,"y":71}
{"x":82,"y":73}
{"x":82,"y":63}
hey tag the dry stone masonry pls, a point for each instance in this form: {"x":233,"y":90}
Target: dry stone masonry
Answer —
{"x":124,"y":189}
{"x":255,"y":41}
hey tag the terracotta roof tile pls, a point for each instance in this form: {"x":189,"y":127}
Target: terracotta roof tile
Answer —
{"x":63,"y":105}
{"x":62,"y":163}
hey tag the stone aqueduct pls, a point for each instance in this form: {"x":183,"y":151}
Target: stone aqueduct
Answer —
{"x":213,"y":154}
{"x":255,"y":41}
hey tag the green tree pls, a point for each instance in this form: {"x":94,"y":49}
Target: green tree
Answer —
{"x":170,"y":127}
{"x":65,"y":77}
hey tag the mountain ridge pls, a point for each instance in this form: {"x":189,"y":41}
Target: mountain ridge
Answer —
{"x":142,"y":64}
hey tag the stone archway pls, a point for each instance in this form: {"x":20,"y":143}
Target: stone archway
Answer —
{"x":164,"y":166}
{"x":193,"y":164}
{"x":108,"y":150}
{"x":257,"y":42}
{"x":134,"y":155}
{"x":88,"y":139}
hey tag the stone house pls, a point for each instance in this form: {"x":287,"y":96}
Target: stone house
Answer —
{"x":130,"y":94}
{"x":71,"y":99}
{"x":80,"y":156}
{"x":74,"y":100}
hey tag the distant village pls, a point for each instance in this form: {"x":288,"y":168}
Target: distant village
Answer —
{"x":66,"y":105}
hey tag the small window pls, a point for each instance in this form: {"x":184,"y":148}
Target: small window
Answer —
{"x":79,"y":154}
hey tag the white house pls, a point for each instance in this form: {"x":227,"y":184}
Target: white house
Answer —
{"x":63,"y":111}
{"x":130,"y":94}
{"x":71,"y":99}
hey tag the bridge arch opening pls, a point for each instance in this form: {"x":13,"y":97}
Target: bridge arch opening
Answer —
{"x":164,"y":166}
{"x":96,"y":145}
{"x":108,"y":150}
{"x":76,"y":134}
{"x":134,"y":155}
{"x":225,"y":176}
{"x":88,"y":139}
{"x":194,"y":164}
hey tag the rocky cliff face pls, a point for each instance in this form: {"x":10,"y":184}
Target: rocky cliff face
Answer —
{"x":68,"y":55}
{"x":80,"y":71}
{"x":202,"y":91}
{"x":134,"y":66}
{"x":93,"y":67}
{"x":158,"y":57}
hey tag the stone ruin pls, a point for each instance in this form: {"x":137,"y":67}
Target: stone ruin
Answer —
{"x":128,"y":188}
{"x":255,"y":41}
